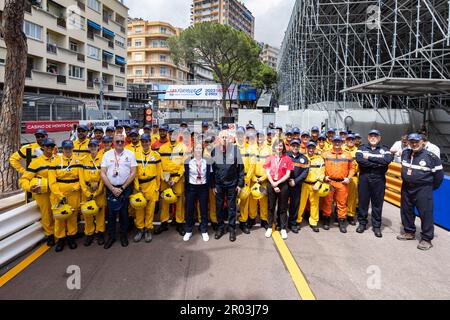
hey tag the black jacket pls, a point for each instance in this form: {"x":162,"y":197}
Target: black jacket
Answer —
{"x":228,"y":167}
{"x":301,"y":167}
{"x":378,"y":162}
{"x":426,"y":169}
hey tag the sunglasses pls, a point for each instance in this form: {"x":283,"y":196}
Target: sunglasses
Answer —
{"x":119,"y":141}
{"x":39,"y":136}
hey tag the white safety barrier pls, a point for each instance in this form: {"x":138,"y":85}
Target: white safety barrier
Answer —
{"x":20,"y":230}
{"x":12,"y":202}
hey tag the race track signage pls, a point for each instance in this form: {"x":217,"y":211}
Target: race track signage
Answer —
{"x":199,"y":92}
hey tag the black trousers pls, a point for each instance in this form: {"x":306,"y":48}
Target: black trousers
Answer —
{"x":371,"y":189}
{"x":420,"y":198}
{"x":278,"y":199}
{"x":231,"y":194}
{"x":200,"y":193}
{"x":122,"y":212}
{"x":294,"y":203}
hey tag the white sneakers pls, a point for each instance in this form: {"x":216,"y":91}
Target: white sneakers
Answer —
{"x":187,"y":236}
{"x":268,"y":232}
{"x":283,"y":234}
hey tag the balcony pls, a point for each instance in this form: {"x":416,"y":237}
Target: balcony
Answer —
{"x":80,"y":57}
{"x":90,"y":84}
{"x":90,"y":35}
{"x":51,"y":48}
{"x":122,"y":69}
{"x":111,"y":44}
{"x":61,"y":79}
{"x":105,"y":64}
{"x":61,"y":22}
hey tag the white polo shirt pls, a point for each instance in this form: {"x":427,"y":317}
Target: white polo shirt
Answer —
{"x":120,"y":164}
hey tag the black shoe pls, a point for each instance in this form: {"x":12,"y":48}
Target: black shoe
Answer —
{"x":124,"y":241}
{"x":315,"y":228}
{"x":361,"y":228}
{"x":250,"y":223}
{"x":219,"y":233}
{"x":377,"y":232}
{"x":244,"y":228}
{"x":326,"y":223}
{"x":130,"y":224}
{"x":342,"y":226}
{"x":295,"y":228}
{"x":232,"y":235}
{"x":71,"y":242}
{"x":88,"y":240}
{"x":173,"y":222}
{"x":351,"y":221}
{"x":161,"y":228}
{"x":214,"y":226}
{"x":278,"y":228}
{"x":109,"y":243}
{"x":60,"y":244}
{"x":180,"y":229}
{"x":264,"y":224}
{"x":100,"y":238}
{"x":51,"y":240}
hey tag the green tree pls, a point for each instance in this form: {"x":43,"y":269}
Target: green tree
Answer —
{"x":229,"y":53}
{"x":265,"y":79}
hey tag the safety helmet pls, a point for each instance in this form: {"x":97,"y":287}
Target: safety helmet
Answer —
{"x":89,"y":208}
{"x":138,"y":200}
{"x":258,"y":191}
{"x":324,"y":190}
{"x":62,"y":211}
{"x":41,"y":183}
{"x":169,"y":196}
{"x":245,"y":192}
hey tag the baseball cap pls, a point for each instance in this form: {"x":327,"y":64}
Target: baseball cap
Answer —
{"x":119,"y":126}
{"x":315,"y":128}
{"x":226,"y":127}
{"x":240,"y":130}
{"x":337,"y":138}
{"x":107,"y":139}
{"x":357,"y":135}
{"x":260,"y":133}
{"x":295,"y":141}
{"x":93,"y":142}
{"x":171,"y":129}
{"x":374,"y":131}
{"x":310,"y":144}
{"x":305,"y":133}
{"x":48,"y":142}
{"x":98,"y":129}
{"x":83,"y":127}
{"x":296,"y":130}
{"x":147,"y":126}
{"x":164,"y":127}
{"x":350,"y":136}
{"x":289,"y":131}
{"x":183,"y":124}
{"x":109,"y":128}
{"x":343,"y":131}
{"x":205,"y":124}
{"x":146,"y":136}
{"x":415,"y":137}
{"x":330,"y":130}
{"x":134,"y":132}
{"x":155,"y":125}
{"x":41,"y":131}
{"x":321,"y":137}
{"x":135,"y":126}
{"x":126,"y":125}
{"x":67,"y":144}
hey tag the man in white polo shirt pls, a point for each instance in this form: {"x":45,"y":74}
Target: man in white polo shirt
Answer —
{"x":118,"y":173}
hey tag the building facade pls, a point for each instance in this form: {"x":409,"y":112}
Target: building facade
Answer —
{"x":269,"y":55}
{"x":76,"y":49}
{"x":232,"y":13}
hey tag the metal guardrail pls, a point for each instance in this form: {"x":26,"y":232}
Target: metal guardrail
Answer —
{"x":12,"y":202}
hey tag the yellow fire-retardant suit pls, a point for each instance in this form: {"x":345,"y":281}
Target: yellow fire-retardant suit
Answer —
{"x":248,"y":153}
{"x":20,"y":155}
{"x":316,"y":173}
{"x":352,"y":200}
{"x":136,"y":148}
{"x":39,"y":167}
{"x":64,"y":182}
{"x":92,"y":186}
{"x":154,"y":137}
{"x":80,"y":149}
{"x":263,"y":152}
{"x":172,"y":163}
{"x":148,"y":180}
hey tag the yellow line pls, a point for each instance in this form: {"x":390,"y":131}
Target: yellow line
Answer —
{"x":23,"y":264}
{"x":299,"y":280}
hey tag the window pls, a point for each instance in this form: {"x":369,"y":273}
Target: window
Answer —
{"x":163,"y":30}
{"x":75,"y":20}
{"x":162,"y":58}
{"x":120,"y":82}
{"x":120,"y":41}
{"x":138,"y":29}
{"x":138,"y":43}
{"x":94,"y":5}
{"x":155,"y":43}
{"x":73,"y":46}
{"x":163,"y":44}
{"x":93,"y":52}
{"x":138,"y":72}
{"x":75,"y":72}
{"x":152,"y":71}
{"x":32,"y":30}
{"x":138,"y":56}
{"x":163,"y":71}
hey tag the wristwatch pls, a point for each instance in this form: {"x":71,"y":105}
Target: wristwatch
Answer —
{"x":121,"y":188}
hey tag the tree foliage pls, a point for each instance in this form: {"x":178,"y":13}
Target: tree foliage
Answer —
{"x":231,"y":54}
{"x":265,"y":79}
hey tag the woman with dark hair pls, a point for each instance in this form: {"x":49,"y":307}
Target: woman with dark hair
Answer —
{"x":278,"y":167}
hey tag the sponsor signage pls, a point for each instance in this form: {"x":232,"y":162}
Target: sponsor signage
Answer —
{"x":199,"y":92}
{"x":98,"y":123}
{"x":49,"y":126}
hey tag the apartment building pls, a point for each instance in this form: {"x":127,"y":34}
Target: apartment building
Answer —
{"x":269,"y":55}
{"x":75,"y":48}
{"x":232,"y":13}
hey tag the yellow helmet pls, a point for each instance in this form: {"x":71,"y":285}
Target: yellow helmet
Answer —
{"x":324,"y":190}
{"x":62,"y":211}
{"x":169,"y":196}
{"x":245,"y":192}
{"x":256,"y":191}
{"x":41,"y":183}
{"x":138,"y":200}
{"x":89,"y":208}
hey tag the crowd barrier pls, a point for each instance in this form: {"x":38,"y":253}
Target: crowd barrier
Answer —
{"x":441,"y":195}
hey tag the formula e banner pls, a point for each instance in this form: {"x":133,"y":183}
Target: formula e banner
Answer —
{"x":199,"y":92}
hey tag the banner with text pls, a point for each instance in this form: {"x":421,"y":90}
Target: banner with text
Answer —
{"x":49,"y":126}
{"x":199,"y":92}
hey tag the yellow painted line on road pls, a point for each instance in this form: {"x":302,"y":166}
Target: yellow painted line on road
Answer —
{"x":297,"y":276}
{"x":23,"y":264}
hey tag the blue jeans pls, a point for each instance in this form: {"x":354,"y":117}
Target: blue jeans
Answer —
{"x":118,"y":206}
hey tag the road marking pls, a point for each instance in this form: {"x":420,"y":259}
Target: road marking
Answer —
{"x":297,"y":276}
{"x":23,"y":264}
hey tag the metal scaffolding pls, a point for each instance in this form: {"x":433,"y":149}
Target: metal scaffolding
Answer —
{"x":333,"y":45}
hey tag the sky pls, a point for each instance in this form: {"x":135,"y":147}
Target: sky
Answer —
{"x":272,"y":16}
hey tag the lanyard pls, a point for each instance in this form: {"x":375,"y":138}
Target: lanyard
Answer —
{"x":144,"y":164}
{"x":117,"y":164}
{"x":62,"y":164}
{"x":277,"y":166}
{"x":93,"y":162}
{"x":199,"y":170}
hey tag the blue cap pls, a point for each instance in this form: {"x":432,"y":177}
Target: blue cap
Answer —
{"x":93,"y":142}
{"x":41,"y":131}
{"x":240,"y":129}
{"x":133,"y":132}
{"x":171,"y":129}
{"x":295,"y":141}
{"x":147,"y":126}
{"x":330,"y":130}
{"x":260,"y":133}
{"x":126,"y":125}
{"x":269,"y":131}
{"x":136,"y":126}
{"x":205,"y":124}
{"x":146,"y":137}
{"x":226,"y":127}
{"x":350,"y":136}
{"x":315,"y":128}
{"x":310,"y":144}
{"x":107,"y":139}
{"x":155,"y":125}
{"x":119,"y":126}
{"x":98,"y":129}
{"x":164,"y":127}
{"x":109,"y":128}
{"x":296,"y":130}
{"x":289,"y":131}
{"x":305,"y":133}
{"x":415,"y":137}
{"x":337,"y":138}
{"x":67,"y":144}
{"x":183,"y":124}
{"x":48,"y":142}
{"x":83,"y":127}
{"x":374,"y":131}
{"x":343,"y":131}
{"x":321,"y":137}
{"x":357,"y":135}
